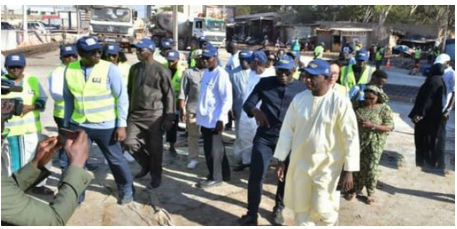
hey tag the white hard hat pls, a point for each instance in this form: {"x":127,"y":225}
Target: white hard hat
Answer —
{"x":442,"y":59}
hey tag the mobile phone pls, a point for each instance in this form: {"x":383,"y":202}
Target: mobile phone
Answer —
{"x":65,"y":134}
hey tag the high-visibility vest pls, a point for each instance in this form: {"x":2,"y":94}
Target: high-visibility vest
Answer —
{"x":347,"y":77}
{"x":160,"y":59}
{"x":192,"y":60}
{"x":59,"y":105}
{"x":379,"y":55}
{"x":29,"y":123}
{"x":125,"y":68}
{"x":92,"y":98}
{"x":176,"y":81}
{"x":417,"y":54}
{"x":319,"y":52}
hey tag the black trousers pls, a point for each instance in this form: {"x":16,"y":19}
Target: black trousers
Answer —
{"x":438,"y":155}
{"x":425,"y":140}
{"x":216,"y":158}
{"x":173,"y":132}
{"x":144,"y":141}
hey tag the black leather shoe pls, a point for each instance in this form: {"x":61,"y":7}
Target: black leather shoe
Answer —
{"x":141,"y":174}
{"x":155,"y":183}
{"x":226,"y":179}
{"x":278,"y":218}
{"x":247,"y":220}
{"x":240,"y":167}
{"x":209,"y":183}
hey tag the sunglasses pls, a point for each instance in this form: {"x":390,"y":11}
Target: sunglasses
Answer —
{"x":271,"y":59}
{"x":206,"y":58}
{"x":112,"y":55}
{"x":15,"y":67}
{"x":140,"y":50}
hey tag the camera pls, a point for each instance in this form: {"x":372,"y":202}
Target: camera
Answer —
{"x":11,"y":106}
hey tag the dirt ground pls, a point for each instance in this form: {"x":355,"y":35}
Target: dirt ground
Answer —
{"x":409,"y":196}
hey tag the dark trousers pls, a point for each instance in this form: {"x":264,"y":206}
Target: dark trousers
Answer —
{"x":262,"y":153}
{"x":172,"y":134}
{"x":144,"y":141}
{"x":378,"y":64}
{"x":425,"y":140}
{"x":440,"y":148}
{"x":63,"y":159}
{"x":216,"y":158}
{"x":113,"y":153}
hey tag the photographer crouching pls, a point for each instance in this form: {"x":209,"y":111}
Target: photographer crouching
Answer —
{"x":17,"y":207}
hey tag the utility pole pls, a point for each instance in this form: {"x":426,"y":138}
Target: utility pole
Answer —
{"x":175,"y":23}
{"x":25,"y":24}
{"x":443,"y":44}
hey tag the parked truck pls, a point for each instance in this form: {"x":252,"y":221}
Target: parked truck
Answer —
{"x":116,"y":24}
{"x":189,"y":29}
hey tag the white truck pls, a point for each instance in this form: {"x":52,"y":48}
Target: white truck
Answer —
{"x":116,"y":24}
{"x":189,"y":29}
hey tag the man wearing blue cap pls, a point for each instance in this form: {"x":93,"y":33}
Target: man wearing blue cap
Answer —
{"x":319,"y":135}
{"x":275,"y":93}
{"x":176,"y":74}
{"x":295,"y":55}
{"x":113,"y":54}
{"x":359,"y":73}
{"x":214,"y":103}
{"x":161,"y":55}
{"x":187,"y":103}
{"x":25,"y":130}
{"x":152,"y":111}
{"x":68,"y":54}
{"x":96,"y":101}
{"x":239,"y":78}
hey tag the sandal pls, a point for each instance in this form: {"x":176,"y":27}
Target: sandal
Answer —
{"x":350,"y":196}
{"x":379,"y":185}
{"x":370,"y":200}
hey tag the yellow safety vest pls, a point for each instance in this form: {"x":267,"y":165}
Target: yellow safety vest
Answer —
{"x":160,"y":59}
{"x":125,"y":68}
{"x":319,"y":52}
{"x":176,"y":81}
{"x":296,"y":74}
{"x":93,"y":99}
{"x":59,"y":105}
{"x":29,"y":123}
{"x":379,"y":54}
{"x":417,"y":54}
{"x":192,"y":60}
{"x":347,"y":77}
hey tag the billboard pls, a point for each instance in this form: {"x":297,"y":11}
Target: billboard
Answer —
{"x":220,"y":12}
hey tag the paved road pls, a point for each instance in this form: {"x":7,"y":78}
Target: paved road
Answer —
{"x":409,"y":197}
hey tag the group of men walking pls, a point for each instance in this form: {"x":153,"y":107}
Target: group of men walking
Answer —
{"x":276,"y":116}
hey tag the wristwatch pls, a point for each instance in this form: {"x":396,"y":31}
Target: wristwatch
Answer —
{"x":373,"y":128}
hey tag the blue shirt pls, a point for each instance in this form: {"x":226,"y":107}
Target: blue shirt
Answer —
{"x":276,"y":99}
{"x":118,"y":90}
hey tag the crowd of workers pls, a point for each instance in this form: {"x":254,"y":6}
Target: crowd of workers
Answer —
{"x":281,"y":108}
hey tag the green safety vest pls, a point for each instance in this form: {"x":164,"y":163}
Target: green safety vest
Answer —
{"x":29,"y":123}
{"x":176,"y":81}
{"x":192,"y":60}
{"x":125,"y":68}
{"x":417,"y":54}
{"x":59,"y":105}
{"x":379,"y":54}
{"x":347,"y":77}
{"x":319,"y":52}
{"x":93,"y":99}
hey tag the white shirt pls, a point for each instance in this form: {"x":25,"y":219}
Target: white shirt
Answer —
{"x":449,"y":81}
{"x":215,"y":99}
{"x":233,"y":62}
{"x":55,"y":81}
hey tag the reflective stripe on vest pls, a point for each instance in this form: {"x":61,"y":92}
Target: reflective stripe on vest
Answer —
{"x":29,"y":123}
{"x":125,"y":68}
{"x":59,"y":105}
{"x":348,"y":79}
{"x":93,"y":99}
